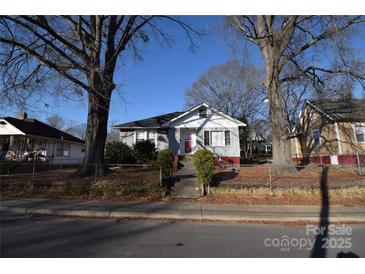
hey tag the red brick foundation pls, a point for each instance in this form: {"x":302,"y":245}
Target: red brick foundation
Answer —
{"x":175,"y":164}
{"x":350,"y":159}
{"x":326,"y":160}
{"x":231,"y":161}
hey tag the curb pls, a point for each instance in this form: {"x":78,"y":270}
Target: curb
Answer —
{"x":178,"y":217}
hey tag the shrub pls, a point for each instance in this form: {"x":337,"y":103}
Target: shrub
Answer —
{"x":144,"y":151}
{"x":165,"y":160}
{"x":119,"y":153}
{"x":204,"y":166}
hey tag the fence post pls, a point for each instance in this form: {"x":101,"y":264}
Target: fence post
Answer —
{"x":320,"y":159}
{"x":161,"y":176}
{"x":33,"y":172}
{"x":296,"y":158}
{"x":96,"y":170}
{"x":358,"y":162}
{"x":270,"y":183}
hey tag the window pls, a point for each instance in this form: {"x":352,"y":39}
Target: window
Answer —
{"x":203,"y":113}
{"x":66,"y":150}
{"x":360,"y":134}
{"x":140,"y":135}
{"x":206,"y":138}
{"x":63,"y":150}
{"x":316,"y":137}
{"x":217,"y":138}
{"x":227,"y":138}
{"x":151,"y":136}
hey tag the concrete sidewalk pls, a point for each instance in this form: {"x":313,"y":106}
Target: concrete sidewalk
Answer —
{"x":181,"y":210}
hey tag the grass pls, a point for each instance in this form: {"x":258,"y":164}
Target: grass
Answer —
{"x":292,"y":196}
{"x":308,"y":176}
{"x":120,"y":185}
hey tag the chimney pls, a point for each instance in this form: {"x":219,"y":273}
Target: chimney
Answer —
{"x":22,"y":115}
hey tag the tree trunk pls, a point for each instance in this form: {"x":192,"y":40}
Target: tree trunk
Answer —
{"x":282,"y":161}
{"x":97,"y":125}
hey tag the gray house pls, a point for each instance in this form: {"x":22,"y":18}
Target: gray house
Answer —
{"x":185,"y":132}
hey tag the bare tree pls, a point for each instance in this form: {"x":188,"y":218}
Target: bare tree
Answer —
{"x":231,"y":88}
{"x":234,"y":89}
{"x":84,"y":51}
{"x":77,"y":130}
{"x":297,"y":47}
{"x":56,"y":121}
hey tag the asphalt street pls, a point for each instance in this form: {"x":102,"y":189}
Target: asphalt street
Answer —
{"x":45,"y":236}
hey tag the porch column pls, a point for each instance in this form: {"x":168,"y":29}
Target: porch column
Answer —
{"x":177,"y":138}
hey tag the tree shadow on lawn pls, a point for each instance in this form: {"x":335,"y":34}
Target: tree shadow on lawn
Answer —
{"x":223,"y":176}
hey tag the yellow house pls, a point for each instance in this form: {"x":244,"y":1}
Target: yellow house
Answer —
{"x":330,"y":132}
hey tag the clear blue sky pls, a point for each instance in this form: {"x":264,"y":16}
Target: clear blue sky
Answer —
{"x":157,"y":84}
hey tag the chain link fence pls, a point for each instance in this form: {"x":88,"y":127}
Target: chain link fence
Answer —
{"x":306,"y":172}
{"x":263,"y":174}
{"x":37,"y":171}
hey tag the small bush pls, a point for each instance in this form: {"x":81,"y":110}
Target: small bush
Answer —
{"x":144,"y":151}
{"x":119,"y":153}
{"x":165,"y":160}
{"x":204,"y":166}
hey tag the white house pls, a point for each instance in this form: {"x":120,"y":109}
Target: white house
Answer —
{"x":184,"y":132}
{"x":24,"y":138}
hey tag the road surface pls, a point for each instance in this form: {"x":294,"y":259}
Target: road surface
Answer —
{"x":45,"y":236}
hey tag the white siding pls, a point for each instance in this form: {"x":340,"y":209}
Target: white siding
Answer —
{"x":76,"y":154}
{"x":8,"y":129}
{"x":127,"y":137}
{"x":213,"y":122}
{"x":162,"y":141}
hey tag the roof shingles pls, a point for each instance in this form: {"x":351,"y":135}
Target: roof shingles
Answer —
{"x":37,"y":128}
{"x":342,"y":110}
{"x":153,"y":122}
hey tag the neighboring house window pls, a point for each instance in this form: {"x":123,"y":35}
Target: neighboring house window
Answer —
{"x":217,"y":138}
{"x":316,"y":137}
{"x":360,"y":134}
{"x":227,"y":138}
{"x":206,"y":138}
{"x":63,"y":150}
{"x":203,"y":113}
{"x":140,"y":135}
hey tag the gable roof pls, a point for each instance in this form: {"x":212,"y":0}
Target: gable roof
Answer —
{"x":153,"y":122}
{"x":37,"y":128}
{"x":239,"y":123}
{"x":341,"y":110}
{"x":165,"y":119}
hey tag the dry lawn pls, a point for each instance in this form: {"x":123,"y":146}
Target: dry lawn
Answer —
{"x":293,"y":196}
{"x":307,"y":177}
{"x":123,"y":184}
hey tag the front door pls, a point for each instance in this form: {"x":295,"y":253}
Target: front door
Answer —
{"x":188,"y":143}
{"x":187,"y":140}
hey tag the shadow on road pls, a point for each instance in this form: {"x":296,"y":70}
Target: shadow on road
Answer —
{"x":319,"y":249}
